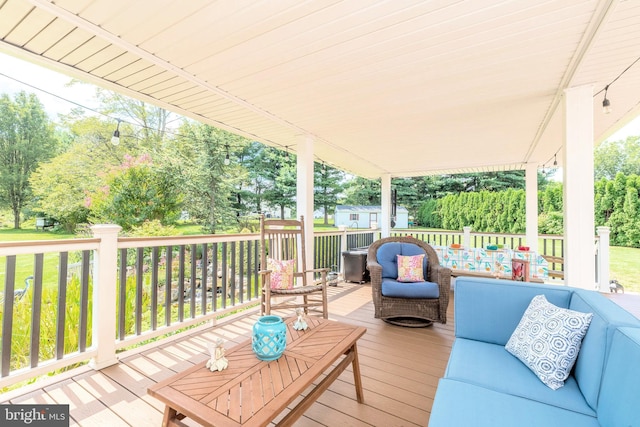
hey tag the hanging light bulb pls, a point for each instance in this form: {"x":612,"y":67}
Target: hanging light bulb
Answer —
{"x":606,"y":104}
{"x":115,"y":139}
{"x":555,"y":161}
{"x":227,"y":161}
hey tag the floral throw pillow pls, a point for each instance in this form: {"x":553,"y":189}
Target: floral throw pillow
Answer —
{"x":281,"y":273}
{"x":410,"y":268}
{"x":548,"y":339}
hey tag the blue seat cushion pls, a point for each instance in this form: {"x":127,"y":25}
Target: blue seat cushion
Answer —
{"x":387,"y":257}
{"x":491,"y":366}
{"x":393,"y":288}
{"x":460,"y":404}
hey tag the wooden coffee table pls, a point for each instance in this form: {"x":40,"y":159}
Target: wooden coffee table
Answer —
{"x":251,"y":392}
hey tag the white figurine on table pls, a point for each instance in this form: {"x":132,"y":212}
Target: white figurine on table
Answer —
{"x":217,"y":362}
{"x":300,"y":324}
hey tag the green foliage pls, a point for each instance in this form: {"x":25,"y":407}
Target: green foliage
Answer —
{"x":613,"y":157}
{"x":137,"y":192}
{"x":362,"y":191}
{"x":206,"y":182}
{"x":328,"y":187}
{"x":26,"y":139}
{"x":428,"y":215}
{"x":551,"y":223}
{"x":151,"y":228}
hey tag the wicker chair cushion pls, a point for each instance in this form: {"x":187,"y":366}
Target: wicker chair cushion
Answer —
{"x":394,"y":289}
{"x":387,"y":257}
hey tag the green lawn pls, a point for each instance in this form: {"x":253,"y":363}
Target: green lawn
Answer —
{"x":625,"y":267}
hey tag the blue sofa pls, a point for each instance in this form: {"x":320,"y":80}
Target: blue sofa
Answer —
{"x":484,"y":385}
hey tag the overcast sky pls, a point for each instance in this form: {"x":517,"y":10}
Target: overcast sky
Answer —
{"x":43,"y":78}
{"x":56,"y":83}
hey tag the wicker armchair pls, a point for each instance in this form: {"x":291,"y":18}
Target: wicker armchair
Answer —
{"x":386,"y":307}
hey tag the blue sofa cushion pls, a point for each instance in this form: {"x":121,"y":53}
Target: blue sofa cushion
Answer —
{"x":491,"y":366}
{"x":460,"y":404}
{"x":620,"y":381}
{"x":394,"y":289}
{"x":607,"y":315}
{"x":387,"y":257}
{"x":548,"y":340}
{"x":490,"y":309}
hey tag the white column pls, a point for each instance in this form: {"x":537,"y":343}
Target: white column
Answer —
{"x":304,"y":193}
{"x":385,"y":199}
{"x":105,"y":268}
{"x":579,"y":222}
{"x":531,"y":191}
{"x":603,"y":259}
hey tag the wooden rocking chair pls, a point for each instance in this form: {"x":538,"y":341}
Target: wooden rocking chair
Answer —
{"x":281,"y":242}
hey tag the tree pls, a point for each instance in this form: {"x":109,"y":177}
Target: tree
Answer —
{"x":282,"y":179}
{"x":328,"y":187}
{"x":613,"y":157}
{"x":208,"y":183}
{"x":136,"y":192}
{"x":26,"y":139}
{"x":362,"y":191}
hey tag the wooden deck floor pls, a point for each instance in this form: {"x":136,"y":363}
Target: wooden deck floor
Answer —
{"x":400,"y":371}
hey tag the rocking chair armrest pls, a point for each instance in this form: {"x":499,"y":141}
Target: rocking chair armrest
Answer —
{"x":263,"y":272}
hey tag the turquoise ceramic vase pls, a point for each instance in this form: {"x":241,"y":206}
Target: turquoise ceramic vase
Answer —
{"x":269,"y":337}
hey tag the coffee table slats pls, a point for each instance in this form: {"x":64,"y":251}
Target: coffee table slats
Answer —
{"x":252,"y":392}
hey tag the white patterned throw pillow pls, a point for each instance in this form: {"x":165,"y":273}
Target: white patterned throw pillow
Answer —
{"x":548,"y":340}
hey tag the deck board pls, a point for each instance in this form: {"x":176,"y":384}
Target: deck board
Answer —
{"x":400,"y":369}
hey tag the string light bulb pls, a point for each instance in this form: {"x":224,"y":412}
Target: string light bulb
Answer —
{"x":606,"y":104}
{"x":115,"y":139}
{"x":555,"y":161}
{"x":227,"y":161}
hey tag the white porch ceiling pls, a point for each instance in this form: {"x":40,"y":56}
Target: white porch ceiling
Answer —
{"x":400,"y":87}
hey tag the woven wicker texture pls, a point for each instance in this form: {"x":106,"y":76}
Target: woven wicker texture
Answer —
{"x":429,"y":308}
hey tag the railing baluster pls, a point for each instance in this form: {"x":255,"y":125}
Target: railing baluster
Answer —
{"x":168,"y":265}
{"x":233,"y":279}
{"x":181,"y":284}
{"x":62,"y":304}
{"x":214,"y":276}
{"x":84,"y":300}
{"x":204,"y":280}
{"x":138,"y":301}
{"x":192,"y":282}
{"x":224,"y":275}
{"x":154,"y":287}
{"x":241,"y":275}
{"x":36,"y":310}
{"x":7,"y":313}
{"x":122,"y":299}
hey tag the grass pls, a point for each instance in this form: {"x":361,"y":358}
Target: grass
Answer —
{"x":625,"y":267}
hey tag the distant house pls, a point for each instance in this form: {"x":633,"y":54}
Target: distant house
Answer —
{"x":367,"y":216}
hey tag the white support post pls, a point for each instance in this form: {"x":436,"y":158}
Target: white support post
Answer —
{"x":105,"y":269}
{"x":579,"y":221}
{"x":304,"y":193}
{"x":603,"y":259}
{"x":466,"y":238}
{"x":385,"y":199}
{"x":531,"y":195}
{"x":343,"y":245}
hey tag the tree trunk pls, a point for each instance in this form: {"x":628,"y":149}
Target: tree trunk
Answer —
{"x":326,"y":216}
{"x":16,"y":218}
{"x":281,"y":211}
